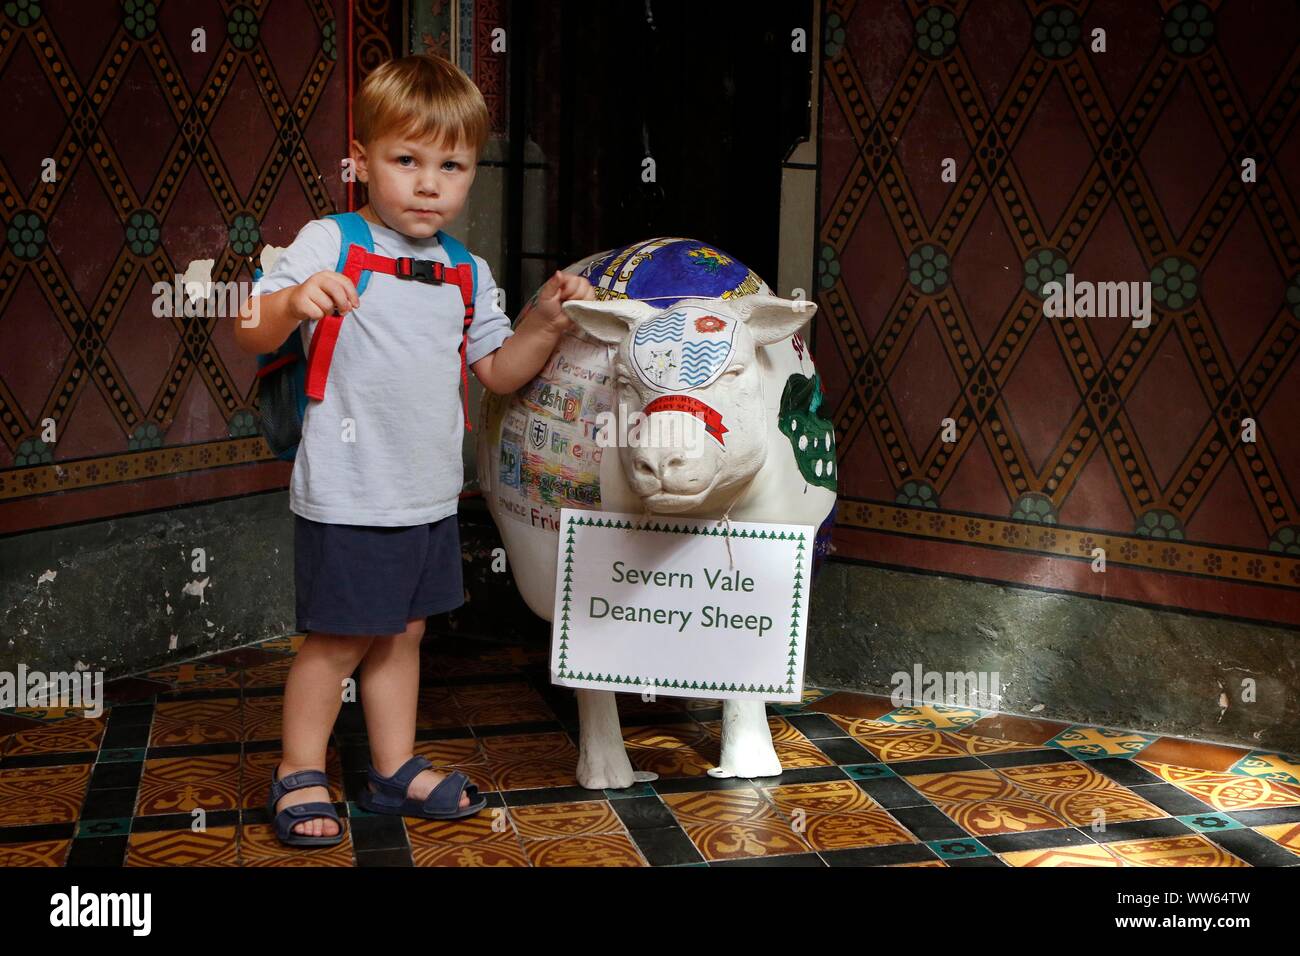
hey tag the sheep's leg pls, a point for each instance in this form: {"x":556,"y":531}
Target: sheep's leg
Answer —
{"x":602,"y":757}
{"x":747,"y":749}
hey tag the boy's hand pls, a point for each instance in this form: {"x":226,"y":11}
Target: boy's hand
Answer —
{"x":560,"y":288}
{"x":322,"y":294}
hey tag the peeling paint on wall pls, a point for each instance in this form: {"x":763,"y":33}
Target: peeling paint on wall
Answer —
{"x":196,"y":589}
{"x":197,"y":279}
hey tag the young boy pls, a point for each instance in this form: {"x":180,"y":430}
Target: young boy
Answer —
{"x":377,"y":476}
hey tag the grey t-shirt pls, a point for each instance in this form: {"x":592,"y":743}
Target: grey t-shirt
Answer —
{"x":384,"y":445}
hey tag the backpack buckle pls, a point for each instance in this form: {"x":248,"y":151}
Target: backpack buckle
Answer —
{"x":419,"y":270}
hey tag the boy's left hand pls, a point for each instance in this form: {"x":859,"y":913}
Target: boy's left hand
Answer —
{"x":558,"y":289}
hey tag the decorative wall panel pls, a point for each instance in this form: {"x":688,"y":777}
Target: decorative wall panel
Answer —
{"x":1068,"y":433}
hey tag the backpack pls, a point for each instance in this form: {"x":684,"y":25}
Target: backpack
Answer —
{"x":288,"y":377}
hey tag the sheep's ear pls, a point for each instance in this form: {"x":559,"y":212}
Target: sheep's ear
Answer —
{"x":772,"y":319}
{"x":607,"y":319}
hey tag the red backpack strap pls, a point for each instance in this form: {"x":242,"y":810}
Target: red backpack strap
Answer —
{"x":320,"y":356}
{"x":360,"y":260}
{"x":465,"y":280}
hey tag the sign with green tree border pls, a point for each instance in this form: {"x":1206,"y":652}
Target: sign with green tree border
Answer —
{"x":661,"y":605}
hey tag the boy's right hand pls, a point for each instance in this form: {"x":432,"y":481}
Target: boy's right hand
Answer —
{"x":322,"y":294}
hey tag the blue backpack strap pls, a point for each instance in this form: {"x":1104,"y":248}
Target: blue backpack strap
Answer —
{"x":458,"y":255}
{"x":356,"y":232}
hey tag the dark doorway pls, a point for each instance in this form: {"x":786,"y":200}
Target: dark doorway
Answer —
{"x":713,"y":92}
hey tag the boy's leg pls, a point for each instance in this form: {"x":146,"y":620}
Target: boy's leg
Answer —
{"x":313,"y":694}
{"x":390,"y":689}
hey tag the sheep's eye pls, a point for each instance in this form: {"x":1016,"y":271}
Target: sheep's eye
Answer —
{"x":733,"y":371}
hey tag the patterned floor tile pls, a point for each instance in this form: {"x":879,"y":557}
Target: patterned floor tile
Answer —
{"x":490,"y":853}
{"x":733,"y":824}
{"x":932,"y":717}
{"x":208,"y":721}
{"x":1085,"y":742}
{"x":43,"y":714}
{"x":262,"y":716}
{"x":672,"y":750}
{"x":1194,"y":753}
{"x":1063,"y":856}
{"x":850,"y":705}
{"x":1285,"y":834}
{"x":961,"y":849}
{"x":1006,"y":815}
{"x":271,"y":674}
{"x":183,"y":784}
{"x":1192,"y":850}
{"x":1099,"y":807}
{"x":837,"y":815}
{"x":914,"y":745}
{"x":964,"y":786}
{"x":604,"y":849}
{"x":485,"y":839}
{"x":1284,"y":768}
{"x":1227,"y":791}
{"x":34,"y":853}
{"x":566,"y":819}
{"x":525,"y":761}
{"x":492,"y":824}
{"x":1057,"y":778}
{"x":977,"y":745}
{"x":832,"y":796}
{"x":217,"y":846}
{"x":75,"y":735}
{"x":30,"y":795}
{"x":868,"y":726}
{"x":1009,"y":727}
{"x":1209,"y":822}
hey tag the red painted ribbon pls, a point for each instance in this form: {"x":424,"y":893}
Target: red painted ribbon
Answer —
{"x":711,"y":417}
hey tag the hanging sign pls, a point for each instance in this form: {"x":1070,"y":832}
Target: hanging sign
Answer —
{"x":659,"y":604}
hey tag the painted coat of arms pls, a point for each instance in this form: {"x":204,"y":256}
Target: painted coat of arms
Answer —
{"x":684,"y":349}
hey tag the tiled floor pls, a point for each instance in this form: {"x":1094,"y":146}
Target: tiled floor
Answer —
{"x":865,"y":784}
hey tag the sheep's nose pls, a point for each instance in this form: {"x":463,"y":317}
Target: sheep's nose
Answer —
{"x":669,"y":463}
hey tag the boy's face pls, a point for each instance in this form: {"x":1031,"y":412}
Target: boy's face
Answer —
{"x":416,"y":186}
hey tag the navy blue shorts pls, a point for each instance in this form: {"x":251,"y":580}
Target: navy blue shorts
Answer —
{"x":356,"y":579}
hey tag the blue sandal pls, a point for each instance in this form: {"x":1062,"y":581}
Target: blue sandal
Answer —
{"x":388,"y":794}
{"x":291,"y":816}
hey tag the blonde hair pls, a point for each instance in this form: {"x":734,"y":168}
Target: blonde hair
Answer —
{"x":422,"y":96}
